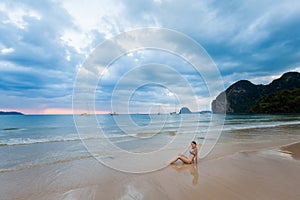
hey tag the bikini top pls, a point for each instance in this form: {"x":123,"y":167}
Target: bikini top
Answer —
{"x":192,"y":152}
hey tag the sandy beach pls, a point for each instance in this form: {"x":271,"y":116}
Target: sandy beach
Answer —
{"x":268,"y":169}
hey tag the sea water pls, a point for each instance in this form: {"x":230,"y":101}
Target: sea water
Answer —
{"x":28,"y":141}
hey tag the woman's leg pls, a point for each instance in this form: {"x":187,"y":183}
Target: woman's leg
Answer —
{"x":175,"y":159}
{"x":184,"y":159}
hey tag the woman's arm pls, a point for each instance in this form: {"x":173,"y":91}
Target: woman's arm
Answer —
{"x":196,"y":159}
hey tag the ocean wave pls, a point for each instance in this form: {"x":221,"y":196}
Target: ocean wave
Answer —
{"x":31,"y":141}
{"x":12,"y":129}
{"x":27,"y":141}
{"x":228,"y":127}
{"x":42,"y":164}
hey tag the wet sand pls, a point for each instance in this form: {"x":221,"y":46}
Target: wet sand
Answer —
{"x":267,"y":169}
{"x":293,"y":150}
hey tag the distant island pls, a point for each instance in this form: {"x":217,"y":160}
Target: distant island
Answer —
{"x":185,"y":110}
{"x":281,"y":96}
{"x":10,"y":113}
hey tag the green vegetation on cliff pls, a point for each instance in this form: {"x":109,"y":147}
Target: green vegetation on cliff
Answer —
{"x":283,"y":101}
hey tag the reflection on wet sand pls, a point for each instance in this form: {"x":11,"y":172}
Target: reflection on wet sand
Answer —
{"x":193,"y":169}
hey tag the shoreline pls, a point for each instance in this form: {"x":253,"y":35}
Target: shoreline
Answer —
{"x":257,"y":170}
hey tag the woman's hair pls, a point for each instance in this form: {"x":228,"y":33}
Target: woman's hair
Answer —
{"x":194,"y":142}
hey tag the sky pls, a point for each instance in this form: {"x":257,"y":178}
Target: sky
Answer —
{"x":44,"y":44}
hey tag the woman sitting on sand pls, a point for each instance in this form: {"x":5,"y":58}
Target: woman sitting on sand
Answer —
{"x":192,"y":155}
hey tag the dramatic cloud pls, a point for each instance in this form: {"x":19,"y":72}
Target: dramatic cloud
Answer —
{"x":36,"y":65}
{"x":43,"y":44}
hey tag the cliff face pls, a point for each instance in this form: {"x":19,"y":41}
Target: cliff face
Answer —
{"x":243,"y":96}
